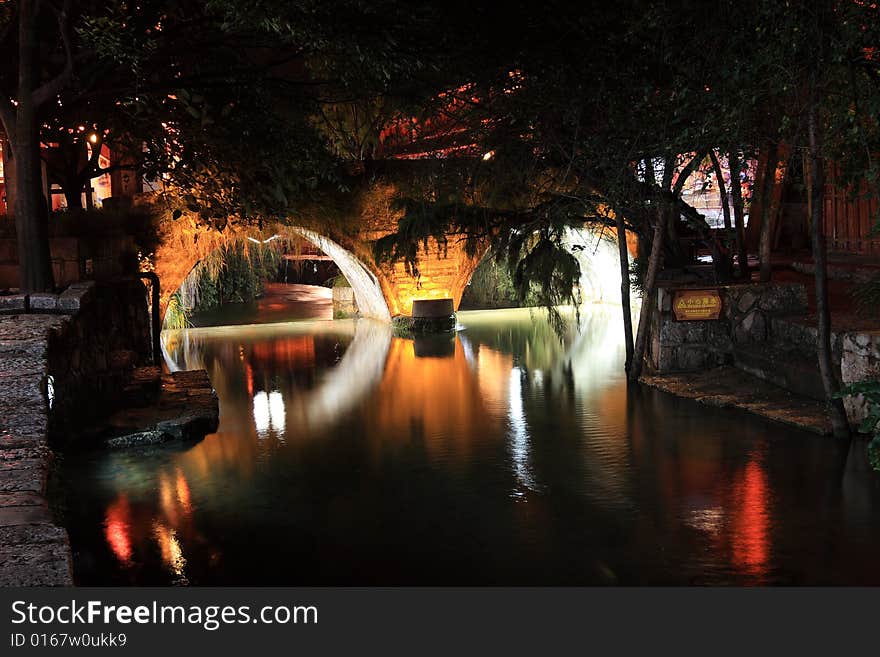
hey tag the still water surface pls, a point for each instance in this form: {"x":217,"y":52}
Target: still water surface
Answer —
{"x":498,"y":456}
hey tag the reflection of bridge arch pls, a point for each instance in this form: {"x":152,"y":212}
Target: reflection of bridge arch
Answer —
{"x":346,"y":385}
{"x":340,"y":390}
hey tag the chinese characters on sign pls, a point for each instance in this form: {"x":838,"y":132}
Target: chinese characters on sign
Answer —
{"x":691,"y":305}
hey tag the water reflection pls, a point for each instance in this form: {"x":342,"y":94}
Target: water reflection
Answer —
{"x":519,"y":433}
{"x":117,"y":529}
{"x":498,"y":455}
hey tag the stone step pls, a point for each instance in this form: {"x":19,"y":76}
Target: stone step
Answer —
{"x":162,"y":407}
{"x":729,"y":387}
{"x":143,"y":387}
{"x":787,"y":367}
{"x":802,"y":331}
{"x":27,"y":335}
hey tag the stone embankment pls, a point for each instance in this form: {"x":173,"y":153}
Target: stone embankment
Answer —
{"x":66,"y":362}
{"x":730,"y":387}
{"x":760,"y":354}
{"x":34,"y":551}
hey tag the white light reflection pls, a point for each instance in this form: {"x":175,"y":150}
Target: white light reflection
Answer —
{"x":261,"y":414}
{"x":277,"y":415}
{"x":538,"y":379}
{"x":470,"y":354}
{"x":709,"y":520}
{"x":519,"y":434}
{"x":270,"y":414}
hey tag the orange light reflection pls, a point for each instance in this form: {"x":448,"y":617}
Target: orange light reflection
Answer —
{"x":751,"y":522}
{"x":117,"y":525}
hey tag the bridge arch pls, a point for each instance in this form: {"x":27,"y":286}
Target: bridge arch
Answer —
{"x":598,"y":257}
{"x":176,"y":259}
{"x":364,"y":283}
{"x":597,"y":254}
{"x":382,"y":290}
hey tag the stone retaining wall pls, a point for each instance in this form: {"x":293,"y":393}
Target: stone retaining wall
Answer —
{"x":81,"y":341}
{"x":765,"y":330}
{"x":108,"y":334}
{"x":860,"y":361}
{"x":746,"y":315}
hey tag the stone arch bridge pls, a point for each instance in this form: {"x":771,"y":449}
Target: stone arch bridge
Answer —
{"x":382,"y":290}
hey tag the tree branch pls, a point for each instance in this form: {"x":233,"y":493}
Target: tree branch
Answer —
{"x":50,"y":89}
{"x":7,"y":116}
{"x":100,"y":171}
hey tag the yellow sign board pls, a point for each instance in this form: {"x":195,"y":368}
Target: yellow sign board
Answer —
{"x":693,"y":305}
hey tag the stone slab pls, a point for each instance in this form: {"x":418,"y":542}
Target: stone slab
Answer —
{"x":27,"y":479}
{"x":21,"y":441}
{"x":34,"y":534}
{"x":14,"y":366}
{"x":21,"y":498}
{"x":17,"y":453}
{"x":73,"y":298}
{"x":729,"y":387}
{"x":13,"y":303}
{"x":26,"y":419}
{"x":139,"y":438}
{"x":24,"y":515}
{"x":43,"y":302}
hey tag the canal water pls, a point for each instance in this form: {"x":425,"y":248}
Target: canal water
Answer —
{"x":498,"y":455}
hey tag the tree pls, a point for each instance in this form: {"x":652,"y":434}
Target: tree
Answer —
{"x":567,"y":126}
{"x":224,"y":97}
{"x":26,"y":90}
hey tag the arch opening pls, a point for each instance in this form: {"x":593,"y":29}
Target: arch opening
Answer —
{"x":490,"y":285}
{"x":180,"y":273}
{"x":364,"y":283}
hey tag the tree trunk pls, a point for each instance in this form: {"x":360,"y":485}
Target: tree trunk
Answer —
{"x":766,"y":215}
{"x":31,"y":216}
{"x":738,"y":212}
{"x":9,"y":175}
{"x":722,"y":188}
{"x":73,"y":197}
{"x":839,"y":423}
{"x":649,"y":298}
{"x":625,"y":288}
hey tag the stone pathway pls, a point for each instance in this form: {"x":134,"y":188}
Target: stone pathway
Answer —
{"x":730,"y":387}
{"x":34,"y":551}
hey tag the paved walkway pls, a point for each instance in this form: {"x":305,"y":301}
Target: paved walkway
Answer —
{"x":34,"y":551}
